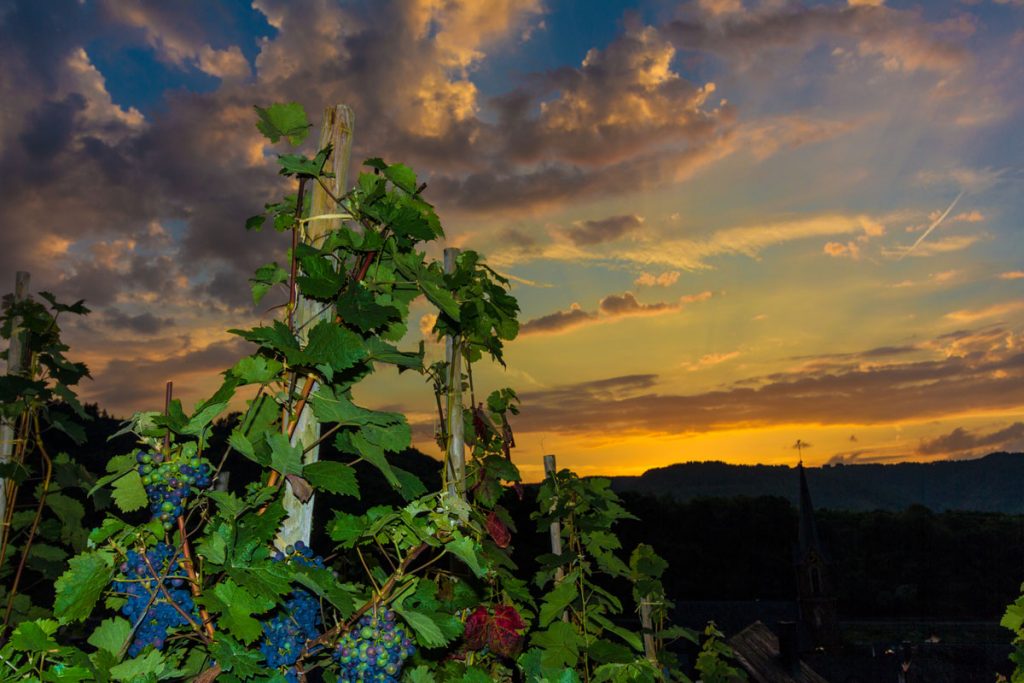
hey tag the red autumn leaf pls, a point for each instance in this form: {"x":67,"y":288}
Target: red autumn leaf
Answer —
{"x":498,"y":531}
{"x":503,"y":637}
{"x":476,"y":628}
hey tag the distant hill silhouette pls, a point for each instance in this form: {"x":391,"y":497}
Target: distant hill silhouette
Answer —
{"x":989,"y":484}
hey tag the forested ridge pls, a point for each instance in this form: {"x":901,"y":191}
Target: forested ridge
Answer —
{"x":905,"y":561}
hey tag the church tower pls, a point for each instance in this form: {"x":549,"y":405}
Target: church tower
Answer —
{"x":815,"y":590}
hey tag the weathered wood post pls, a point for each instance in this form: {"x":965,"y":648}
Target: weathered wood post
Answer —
{"x":455,"y":455}
{"x":337,"y":130}
{"x":15,"y":366}
{"x":555,"y":529}
{"x":647,"y":625}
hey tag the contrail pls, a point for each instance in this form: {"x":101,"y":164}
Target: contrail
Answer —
{"x":931,"y":227}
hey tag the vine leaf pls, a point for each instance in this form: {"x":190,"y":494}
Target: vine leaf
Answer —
{"x":129,"y":493}
{"x":427,"y":632}
{"x":81,"y":585}
{"x":560,"y":644}
{"x":144,"y":668}
{"x":558,"y":599}
{"x":111,"y":635}
{"x":237,"y":605}
{"x":34,"y":636}
{"x":333,"y":476}
{"x":283,"y":121}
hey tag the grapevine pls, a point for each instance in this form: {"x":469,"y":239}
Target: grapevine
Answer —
{"x":157,"y":601}
{"x":170,"y":479}
{"x":374,"y":650}
{"x":286,"y":634}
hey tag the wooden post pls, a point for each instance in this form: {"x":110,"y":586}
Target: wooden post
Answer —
{"x":556,"y":526}
{"x":455,"y":457}
{"x":337,"y":130}
{"x":555,"y":529}
{"x":15,"y":363}
{"x":647,"y":624}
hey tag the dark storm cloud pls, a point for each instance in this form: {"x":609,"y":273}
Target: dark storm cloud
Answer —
{"x":962,"y":441}
{"x":899,"y":37}
{"x":587,"y":233}
{"x":138,"y":384}
{"x":142,"y":323}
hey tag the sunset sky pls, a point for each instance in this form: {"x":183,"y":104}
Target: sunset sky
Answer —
{"x":731,"y":224}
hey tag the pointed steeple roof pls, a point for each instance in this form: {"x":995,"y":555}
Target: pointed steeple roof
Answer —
{"x":808,"y":537}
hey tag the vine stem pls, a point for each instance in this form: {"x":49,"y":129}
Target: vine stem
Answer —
{"x":193,"y":578}
{"x":35,"y":520}
{"x":307,"y":387}
{"x":163,"y":589}
{"x":12,"y":489}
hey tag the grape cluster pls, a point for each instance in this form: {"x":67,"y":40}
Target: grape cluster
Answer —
{"x":147,"y":604}
{"x":287,"y":632}
{"x":374,"y":649}
{"x":169,"y":479}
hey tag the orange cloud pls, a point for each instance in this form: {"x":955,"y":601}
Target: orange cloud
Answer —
{"x":666,"y":279}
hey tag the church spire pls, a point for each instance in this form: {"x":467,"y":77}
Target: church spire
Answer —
{"x":808,"y":536}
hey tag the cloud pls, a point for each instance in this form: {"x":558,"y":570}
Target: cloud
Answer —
{"x":615,"y":305}
{"x":1012,"y":275}
{"x":138,"y":383}
{"x":588,"y":233}
{"x":749,"y":240}
{"x":665,"y":279}
{"x":710,"y":360}
{"x":559,"y":321}
{"x":141,"y":323}
{"x":609,"y":308}
{"x":178,"y":36}
{"x":838,"y":250}
{"x":970,"y":315}
{"x":974,"y":216}
{"x":963,"y":442}
{"x":881,"y":393}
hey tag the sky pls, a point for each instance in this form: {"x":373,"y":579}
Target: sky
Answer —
{"x":730,"y":224}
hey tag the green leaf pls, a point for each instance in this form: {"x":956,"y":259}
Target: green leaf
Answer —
{"x":333,"y":476}
{"x":346,"y":528}
{"x":111,"y":635}
{"x":146,"y":667}
{"x":81,"y":585}
{"x":34,"y":636}
{"x":402,"y":176}
{"x":421,"y":674}
{"x":374,"y":454}
{"x":428,"y":634}
{"x":265,"y":278}
{"x":129,"y":493}
{"x":236,"y":658}
{"x":558,"y":599}
{"x":560,"y":643}
{"x":466,"y":549}
{"x":333,"y":348}
{"x":284,"y":457}
{"x":237,"y":605}
{"x":283,"y":120}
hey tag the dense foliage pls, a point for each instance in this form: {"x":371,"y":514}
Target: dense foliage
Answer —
{"x":185,"y":581}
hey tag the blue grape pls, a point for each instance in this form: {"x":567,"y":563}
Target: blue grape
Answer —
{"x":169,"y":480}
{"x":286,"y":633}
{"x":375,"y":649}
{"x":146,"y":604}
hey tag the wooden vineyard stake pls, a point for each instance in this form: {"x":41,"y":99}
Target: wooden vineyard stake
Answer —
{"x":556,"y":526}
{"x":14,"y":367}
{"x":337,"y":130}
{"x":455,"y":454}
{"x":646,"y":623}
